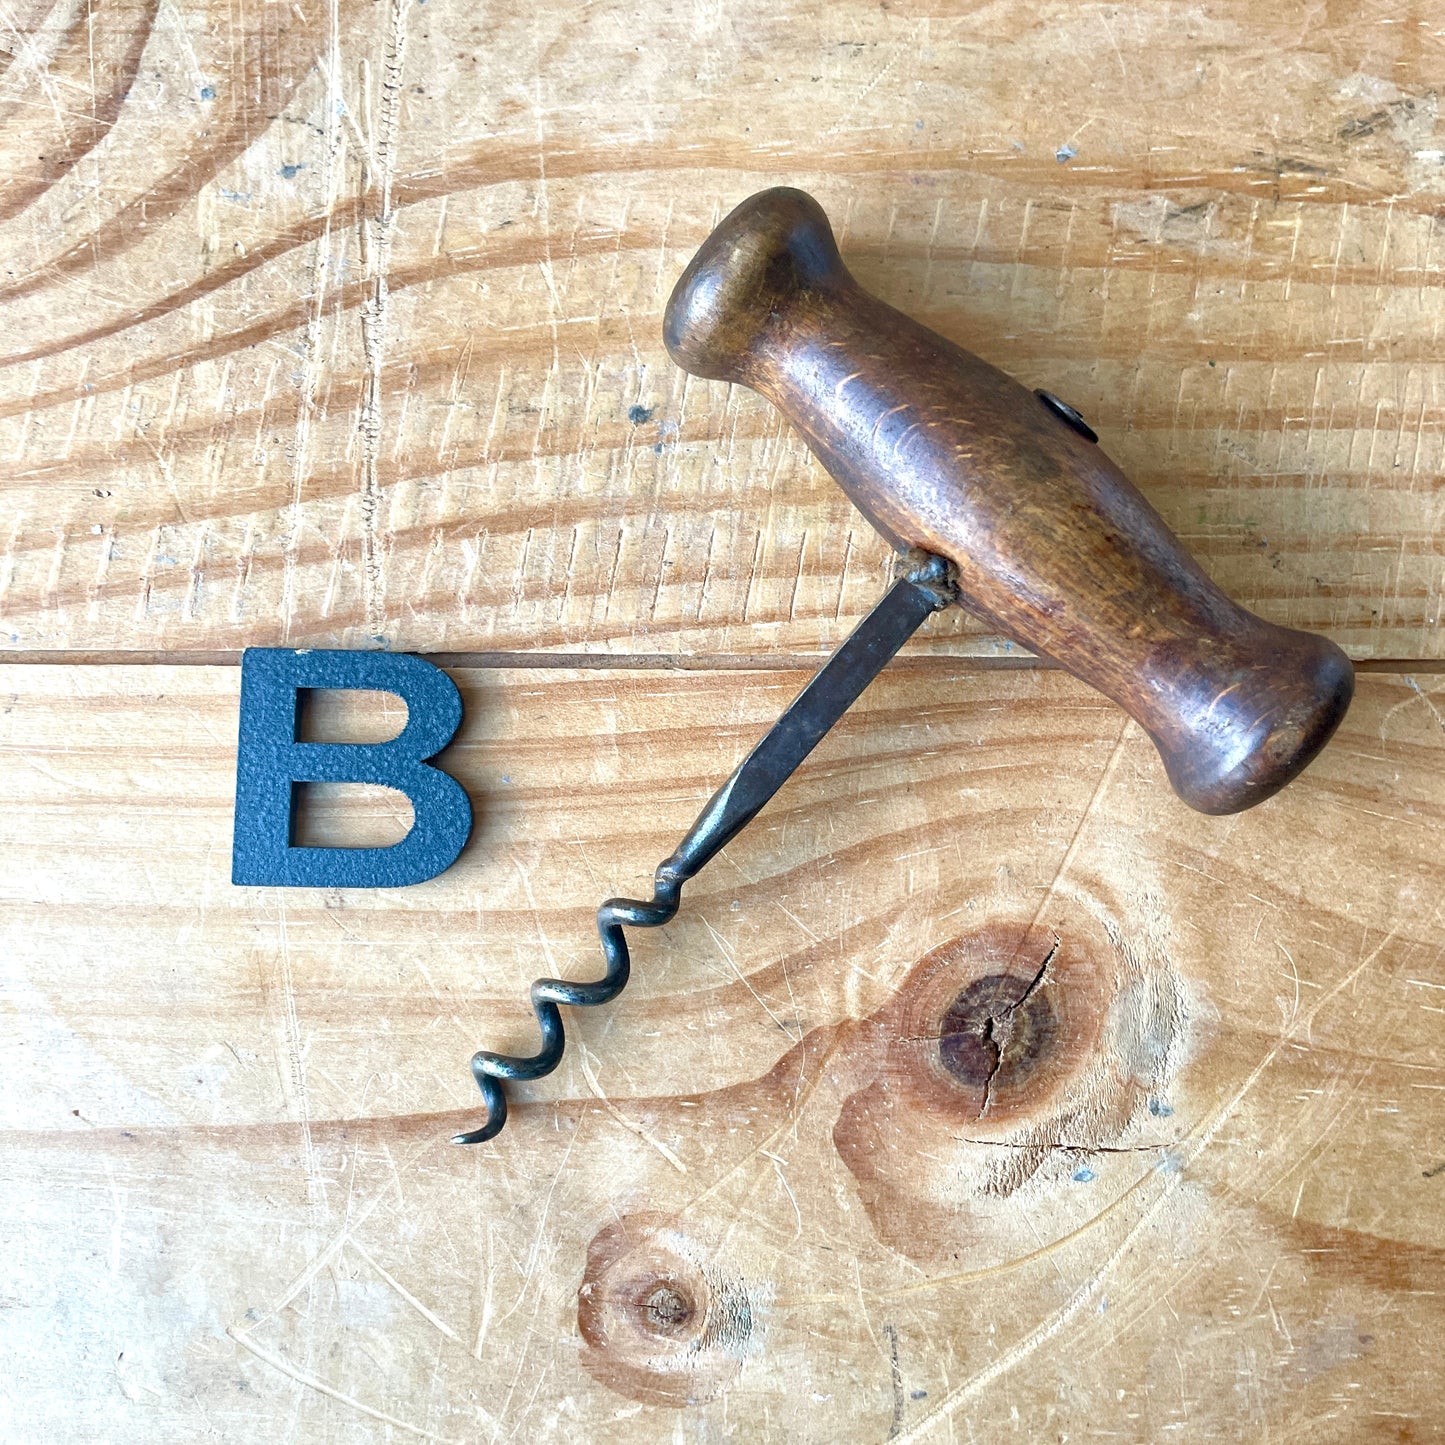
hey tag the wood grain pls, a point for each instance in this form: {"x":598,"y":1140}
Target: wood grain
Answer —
{"x":324,"y":323}
{"x":1199,"y":1200}
{"x":981,"y":1090}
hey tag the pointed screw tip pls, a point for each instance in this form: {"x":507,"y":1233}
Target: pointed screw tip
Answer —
{"x":477,"y":1136}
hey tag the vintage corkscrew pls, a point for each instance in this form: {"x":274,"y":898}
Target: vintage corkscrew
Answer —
{"x":1000,"y":499}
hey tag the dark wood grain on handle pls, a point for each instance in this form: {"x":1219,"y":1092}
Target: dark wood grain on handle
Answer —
{"x":1054,"y":546}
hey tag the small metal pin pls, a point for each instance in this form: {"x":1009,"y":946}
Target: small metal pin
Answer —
{"x":1065,"y":412}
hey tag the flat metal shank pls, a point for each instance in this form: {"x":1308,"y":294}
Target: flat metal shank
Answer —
{"x":835,"y":688}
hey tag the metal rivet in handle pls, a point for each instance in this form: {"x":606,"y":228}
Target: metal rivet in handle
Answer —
{"x":1067,"y":413}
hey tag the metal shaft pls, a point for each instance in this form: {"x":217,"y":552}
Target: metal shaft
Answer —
{"x":834,"y":689}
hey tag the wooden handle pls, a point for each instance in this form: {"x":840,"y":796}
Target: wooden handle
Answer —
{"x":1054,"y":545}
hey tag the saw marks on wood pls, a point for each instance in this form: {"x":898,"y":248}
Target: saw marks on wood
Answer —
{"x":334,"y":323}
{"x":979,"y":1088}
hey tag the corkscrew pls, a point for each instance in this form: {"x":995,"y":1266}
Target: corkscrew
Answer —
{"x":923,"y":589}
{"x":998,"y":498}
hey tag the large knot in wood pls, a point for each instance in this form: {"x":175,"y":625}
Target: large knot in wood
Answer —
{"x":1016,"y":1056}
{"x":998,"y":1028}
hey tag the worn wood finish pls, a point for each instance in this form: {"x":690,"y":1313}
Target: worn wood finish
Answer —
{"x":1194,"y":1196}
{"x":325,"y":322}
{"x":1050,"y":542}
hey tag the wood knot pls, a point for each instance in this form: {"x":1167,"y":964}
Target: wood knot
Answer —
{"x":990,"y":1026}
{"x":667,"y":1309}
{"x":1007,"y":1057}
{"x":997,"y":1031}
{"x":657,"y":1324}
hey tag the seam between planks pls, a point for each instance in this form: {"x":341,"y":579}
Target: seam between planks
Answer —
{"x":619,"y":661}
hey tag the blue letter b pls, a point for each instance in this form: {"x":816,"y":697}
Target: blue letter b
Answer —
{"x":270,"y":763}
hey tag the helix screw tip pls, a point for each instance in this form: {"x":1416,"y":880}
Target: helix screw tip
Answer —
{"x":489,"y":1130}
{"x":496,"y":1102}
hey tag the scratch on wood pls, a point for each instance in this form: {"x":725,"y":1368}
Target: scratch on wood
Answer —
{"x":631,"y":1125}
{"x":304,"y":1377}
{"x":895,"y":1370}
{"x":376,"y":251}
{"x":401,"y":1289}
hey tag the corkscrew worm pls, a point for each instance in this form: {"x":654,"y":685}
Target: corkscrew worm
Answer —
{"x":925,"y":587}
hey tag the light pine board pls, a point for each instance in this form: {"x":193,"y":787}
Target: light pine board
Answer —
{"x":326,"y":323}
{"x":1202,"y":1201}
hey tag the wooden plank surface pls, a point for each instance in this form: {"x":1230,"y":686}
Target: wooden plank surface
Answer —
{"x":980,"y":1091}
{"x":1199,"y":1197}
{"x":328,"y":323}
